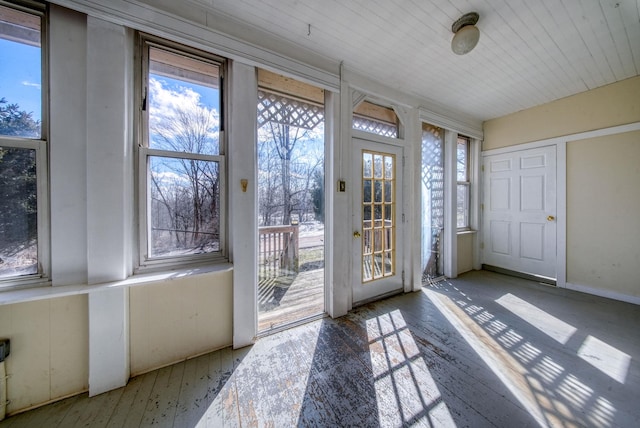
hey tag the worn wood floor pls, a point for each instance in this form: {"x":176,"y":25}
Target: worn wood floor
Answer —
{"x":482,"y":350}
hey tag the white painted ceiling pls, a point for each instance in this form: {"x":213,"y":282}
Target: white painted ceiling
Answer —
{"x":529,"y":53}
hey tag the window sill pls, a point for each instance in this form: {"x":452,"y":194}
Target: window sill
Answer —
{"x":23,"y":295}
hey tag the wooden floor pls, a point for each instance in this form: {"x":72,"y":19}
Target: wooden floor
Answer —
{"x":283,"y":300}
{"x":484,"y":350}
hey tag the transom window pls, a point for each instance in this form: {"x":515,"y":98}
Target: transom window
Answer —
{"x":23,"y":153}
{"x":375,"y":119}
{"x":181,"y":155}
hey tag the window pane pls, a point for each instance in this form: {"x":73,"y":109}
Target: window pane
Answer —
{"x":462,"y":159}
{"x":463,"y":205}
{"x":18,"y":212}
{"x":367,"y":160}
{"x":20,"y":74}
{"x":184,"y":211}
{"x":184,"y":103}
{"x":366,"y":191}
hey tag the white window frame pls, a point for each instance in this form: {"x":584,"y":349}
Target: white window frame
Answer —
{"x":465,"y":183}
{"x":41,"y":277}
{"x":144,"y":153}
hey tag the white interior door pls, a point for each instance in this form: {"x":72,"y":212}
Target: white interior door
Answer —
{"x":519,"y":209}
{"x":377,"y":220}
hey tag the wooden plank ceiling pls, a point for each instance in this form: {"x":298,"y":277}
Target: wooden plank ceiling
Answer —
{"x":530,"y":52}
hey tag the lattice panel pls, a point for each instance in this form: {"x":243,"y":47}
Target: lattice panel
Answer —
{"x":288,"y":111}
{"x":375,"y":126}
{"x":433,"y":172}
{"x":433,"y":179}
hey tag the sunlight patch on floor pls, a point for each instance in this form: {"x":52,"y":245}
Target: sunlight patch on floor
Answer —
{"x":609,"y":360}
{"x":508,"y":369}
{"x":546,"y":389}
{"x":543,"y":321}
{"x":405,"y":389}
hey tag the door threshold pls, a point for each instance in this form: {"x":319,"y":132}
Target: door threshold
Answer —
{"x":532,"y":277}
{"x":376,"y":298}
{"x":432,"y":281}
{"x":292,"y":324}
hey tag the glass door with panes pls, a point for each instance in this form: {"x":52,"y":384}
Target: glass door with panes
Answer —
{"x":377,"y":220}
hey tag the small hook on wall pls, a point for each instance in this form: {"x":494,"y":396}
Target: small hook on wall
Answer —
{"x":244,"y":183}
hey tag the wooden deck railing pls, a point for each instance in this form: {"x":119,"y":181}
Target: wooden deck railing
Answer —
{"x":278,"y":250}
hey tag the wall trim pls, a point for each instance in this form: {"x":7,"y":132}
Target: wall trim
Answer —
{"x":603,"y":293}
{"x":561,"y":214}
{"x":434,"y":116}
{"x":602,"y":132}
{"x":142,"y":17}
{"x":22,"y":295}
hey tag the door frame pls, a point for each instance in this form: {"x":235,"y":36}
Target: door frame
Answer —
{"x":560,"y":144}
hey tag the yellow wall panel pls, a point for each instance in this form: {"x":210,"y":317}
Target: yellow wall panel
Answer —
{"x":179,"y":318}
{"x":69,"y":356}
{"x":603,"y":221}
{"x":465,"y":252}
{"x":49,"y":345}
{"x":611,"y":105}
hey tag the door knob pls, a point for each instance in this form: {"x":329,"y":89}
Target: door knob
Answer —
{"x":550,"y":218}
{"x":356,"y":234}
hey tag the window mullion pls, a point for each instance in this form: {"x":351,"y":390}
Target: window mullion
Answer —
{"x":183,"y":155}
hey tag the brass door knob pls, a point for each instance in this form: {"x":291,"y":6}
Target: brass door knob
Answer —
{"x":356,"y":234}
{"x":550,"y":218}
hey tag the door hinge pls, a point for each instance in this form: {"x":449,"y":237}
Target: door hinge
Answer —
{"x":482,"y":168}
{"x":403,"y":160}
{"x":403,"y":278}
{"x":482,"y":245}
{"x":403,"y":217}
{"x":482,"y":207}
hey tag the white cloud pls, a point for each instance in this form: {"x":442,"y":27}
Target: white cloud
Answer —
{"x":35,"y":85}
{"x":166,"y":100}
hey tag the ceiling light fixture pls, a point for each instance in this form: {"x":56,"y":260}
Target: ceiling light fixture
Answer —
{"x":466,"y":34}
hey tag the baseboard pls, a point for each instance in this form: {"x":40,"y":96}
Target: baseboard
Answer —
{"x":604,"y":293}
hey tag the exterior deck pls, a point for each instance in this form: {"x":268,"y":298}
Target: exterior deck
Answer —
{"x":288,"y":298}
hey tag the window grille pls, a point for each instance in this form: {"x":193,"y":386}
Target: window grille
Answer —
{"x":277,"y":108}
{"x":374,"y":126}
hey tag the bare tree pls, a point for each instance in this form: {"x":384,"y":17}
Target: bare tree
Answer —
{"x":190,"y":197}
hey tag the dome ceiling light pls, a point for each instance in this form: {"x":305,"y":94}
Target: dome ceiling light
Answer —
{"x":466,"y":34}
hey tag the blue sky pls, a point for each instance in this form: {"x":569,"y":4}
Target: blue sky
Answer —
{"x":21,"y":80}
{"x":20,"y":76}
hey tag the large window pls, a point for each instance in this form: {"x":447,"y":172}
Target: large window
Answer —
{"x":464,"y":185}
{"x":181,"y":155}
{"x":23,"y":161}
